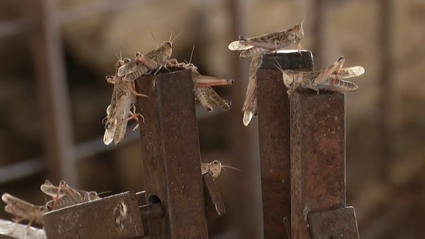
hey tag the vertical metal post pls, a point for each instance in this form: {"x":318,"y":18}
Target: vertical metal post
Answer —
{"x":170,"y":154}
{"x":274,"y":139}
{"x":52,"y":88}
{"x":317,"y":156}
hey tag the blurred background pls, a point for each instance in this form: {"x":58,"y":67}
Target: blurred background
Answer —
{"x":54,"y":56}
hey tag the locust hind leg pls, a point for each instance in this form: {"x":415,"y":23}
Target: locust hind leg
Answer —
{"x":56,"y":198}
{"x":336,"y":76}
{"x":135,"y":116}
{"x":16,"y":221}
{"x":134,"y":92}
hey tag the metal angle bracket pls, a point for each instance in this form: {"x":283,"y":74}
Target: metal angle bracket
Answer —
{"x":337,"y":223}
{"x":116,"y":216}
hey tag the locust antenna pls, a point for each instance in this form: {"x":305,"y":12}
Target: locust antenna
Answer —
{"x":278,"y":66}
{"x":227,"y":166}
{"x":104,"y":192}
{"x":120,"y":56}
{"x":191,"y":54}
{"x":154,"y":39}
{"x":175,"y":37}
{"x":305,"y":18}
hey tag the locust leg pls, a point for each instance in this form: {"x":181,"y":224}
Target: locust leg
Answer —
{"x":16,"y":220}
{"x":135,"y":116}
{"x":134,"y":92}
{"x":325,"y":74}
{"x":336,"y":76}
{"x":29,"y":225}
{"x":299,"y":48}
{"x":55,"y":199}
{"x":149,"y":63}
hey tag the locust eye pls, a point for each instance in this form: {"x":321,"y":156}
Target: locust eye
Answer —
{"x":215,"y":162}
{"x":167,"y":44}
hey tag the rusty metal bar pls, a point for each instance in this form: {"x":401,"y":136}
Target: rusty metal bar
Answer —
{"x":116,"y":216}
{"x":273,"y":127}
{"x":317,"y":156}
{"x":214,"y":206}
{"x":170,"y":154}
{"x":53,"y":93}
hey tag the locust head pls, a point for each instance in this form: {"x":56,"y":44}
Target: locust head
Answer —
{"x":297,"y":32}
{"x":215,"y":168}
{"x":288,"y":78}
{"x":166,"y":49}
{"x":287,"y":75}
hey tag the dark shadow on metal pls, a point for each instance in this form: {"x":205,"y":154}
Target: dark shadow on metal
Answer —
{"x":273,"y":127}
{"x":170,"y":154}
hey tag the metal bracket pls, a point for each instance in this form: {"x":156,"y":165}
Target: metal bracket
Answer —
{"x":339,"y":223}
{"x":116,"y":216}
{"x":123,"y":215}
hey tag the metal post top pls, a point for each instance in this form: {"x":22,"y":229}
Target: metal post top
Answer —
{"x":288,"y":59}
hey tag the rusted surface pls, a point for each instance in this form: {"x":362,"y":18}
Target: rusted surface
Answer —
{"x":273,"y":129}
{"x":214,"y":206}
{"x":317,"y":156}
{"x":21,"y":231}
{"x":117,"y":216}
{"x":154,"y":210}
{"x":170,"y":154}
{"x":339,"y":223}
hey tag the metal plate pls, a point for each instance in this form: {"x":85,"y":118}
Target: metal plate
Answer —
{"x":337,"y":224}
{"x":117,"y":216}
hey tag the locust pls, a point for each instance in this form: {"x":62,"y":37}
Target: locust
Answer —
{"x":203,"y":90}
{"x":255,"y":46}
{"x":215,"y":168}
{"x":63,"y":195}
{"x":205,"y":94}
{"x":122,"y":105}
{"x":250,"y":104}
{"x":329,"y":79}
{"x":23,"y":210}
{"x":142,"y":64}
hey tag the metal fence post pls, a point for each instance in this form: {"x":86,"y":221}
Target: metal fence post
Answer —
{"x":170,"y":154}
{"x":274,"y":138}
{"x":302,"y":151}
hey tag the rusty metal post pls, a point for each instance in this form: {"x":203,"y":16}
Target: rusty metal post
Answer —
{"x":317,"y":158}
{"x":318,"y":166}
{"x":273,"y":127}
{"x":55,"y":114}
{"x":170,"y":154}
